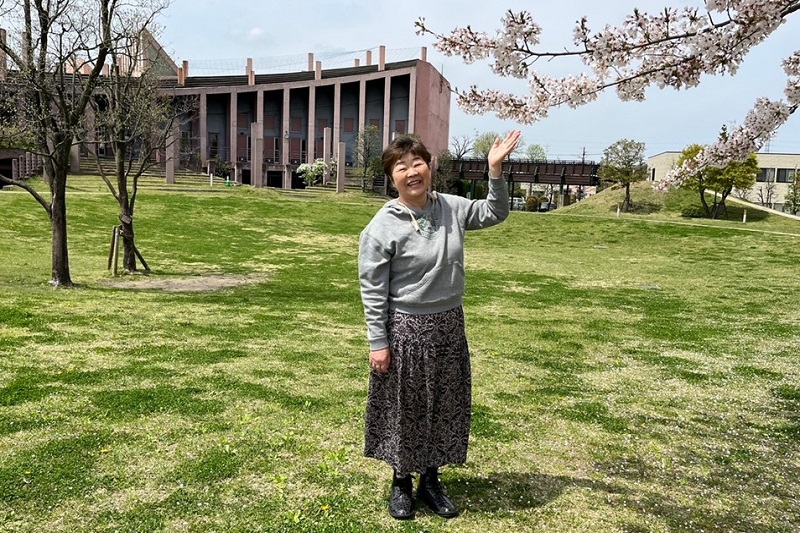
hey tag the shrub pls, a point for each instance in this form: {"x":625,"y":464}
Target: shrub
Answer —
{"x":693,"y":211}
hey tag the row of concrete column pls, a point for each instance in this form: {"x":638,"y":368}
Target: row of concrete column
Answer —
{"x":26,"y":165}
{"x":257,"y":128}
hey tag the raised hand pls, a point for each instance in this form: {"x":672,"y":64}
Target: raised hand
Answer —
{"x":500,"y":150}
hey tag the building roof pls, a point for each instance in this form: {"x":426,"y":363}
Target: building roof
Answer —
{"x":288,"y":77}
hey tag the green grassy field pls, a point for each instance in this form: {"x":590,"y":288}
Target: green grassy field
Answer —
{"x":631,"y":374}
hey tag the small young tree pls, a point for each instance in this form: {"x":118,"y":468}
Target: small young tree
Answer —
{"x":136,"y":122}
{"x":623,"y":163}
{"x":367,"y":148}
{"x":791,"y":202}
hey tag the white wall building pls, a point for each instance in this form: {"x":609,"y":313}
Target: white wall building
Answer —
{"x":771,"y":184}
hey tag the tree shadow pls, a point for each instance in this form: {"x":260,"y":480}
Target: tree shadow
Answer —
{"x":519,"y":491}
{"x":644,"y":207}
{"x":510,"y":491}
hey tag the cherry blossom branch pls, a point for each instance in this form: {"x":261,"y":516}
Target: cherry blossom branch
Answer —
{"x":673,"y":48}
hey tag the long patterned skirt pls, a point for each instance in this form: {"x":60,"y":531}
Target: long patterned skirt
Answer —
{"x":418,"y":415}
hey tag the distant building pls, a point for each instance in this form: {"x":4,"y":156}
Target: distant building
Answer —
{"x":266,"y":125}
{"x":772,"y":181}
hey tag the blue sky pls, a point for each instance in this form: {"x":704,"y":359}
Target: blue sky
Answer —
{"x":220,"y":34}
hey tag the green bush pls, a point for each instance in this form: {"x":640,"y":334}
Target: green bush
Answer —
{"x":693,"y":211}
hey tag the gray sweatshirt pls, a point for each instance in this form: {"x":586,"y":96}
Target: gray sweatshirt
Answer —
{"x":412,"y":260}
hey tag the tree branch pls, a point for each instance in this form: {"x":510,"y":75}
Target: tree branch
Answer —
{"x":33,"y":192}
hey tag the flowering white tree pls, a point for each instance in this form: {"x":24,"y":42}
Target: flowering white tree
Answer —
{"x":672,"y":48}
{"x":315,"y":172}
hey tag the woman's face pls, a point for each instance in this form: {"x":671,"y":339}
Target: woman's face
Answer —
{"x":412,"y":179}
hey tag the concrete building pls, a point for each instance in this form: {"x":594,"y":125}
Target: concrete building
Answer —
{"x":771,"y":184}
{"x":266,"y":125}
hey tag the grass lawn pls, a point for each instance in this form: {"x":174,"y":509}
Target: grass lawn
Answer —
{"x":635,"y":373}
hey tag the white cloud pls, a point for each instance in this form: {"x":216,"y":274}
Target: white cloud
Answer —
{"x":255,"y":34}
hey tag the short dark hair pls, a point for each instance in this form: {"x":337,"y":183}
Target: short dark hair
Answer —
{"x":400,"y":146}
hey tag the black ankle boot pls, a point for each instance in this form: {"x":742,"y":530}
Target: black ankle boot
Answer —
{"x":430,"y":491}
{"x":401,"y":500}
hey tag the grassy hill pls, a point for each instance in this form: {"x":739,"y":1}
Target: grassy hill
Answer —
{"x":673,"y":205}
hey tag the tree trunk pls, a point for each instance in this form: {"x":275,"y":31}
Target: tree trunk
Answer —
{"x":125,"y":210}
{"x":60,"y":276}
{"x":626,"y":205}
{"x":704,"y":202}
{"x":128,"y":246}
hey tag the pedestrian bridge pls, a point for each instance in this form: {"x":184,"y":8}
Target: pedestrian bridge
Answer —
{"x":549,"y":172}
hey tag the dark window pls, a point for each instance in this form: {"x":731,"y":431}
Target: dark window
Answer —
{"x":375,"y":122}
{"x":348,"y":125}
{"x":295,"y":151}
{"x":765,"y":174}
{"x":296,"y":124}
{"x":269,"y":122}
{"x":186,"y":141}
{"x":783,"y":174}
{"x":271,"y":152}
{"x":243,"y":147}
{"x":399,"y":126}
{"x":213,"y":144}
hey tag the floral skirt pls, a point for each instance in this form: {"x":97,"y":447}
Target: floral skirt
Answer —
{"x":418,"y":415}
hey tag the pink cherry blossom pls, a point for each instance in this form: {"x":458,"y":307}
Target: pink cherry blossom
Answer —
{"x":672,"y":48}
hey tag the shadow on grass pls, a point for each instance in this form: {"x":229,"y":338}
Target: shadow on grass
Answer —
{"x":25,"y":387}
{"x":641,"y":207}
{"x":54,"y":472}
{"x":676,"y":516}
{"x":119,"y":404}
{"x":513,"y":491}
{"x":788,"y":397}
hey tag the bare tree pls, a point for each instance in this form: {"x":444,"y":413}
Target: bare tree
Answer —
{"x":136,"y":120}
{"x":766,"y":193}
{"x":742,"y":194}
{"x":58,"y":50}
{"x":367,"y":152}
{"x":460,"y":146}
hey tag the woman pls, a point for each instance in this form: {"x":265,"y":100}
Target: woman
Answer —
{"x":411,"y":270}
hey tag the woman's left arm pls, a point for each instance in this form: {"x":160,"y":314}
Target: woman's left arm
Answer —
{"x":493,"y":210}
